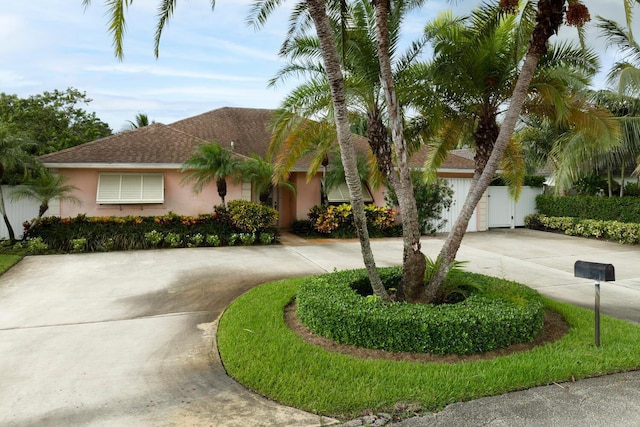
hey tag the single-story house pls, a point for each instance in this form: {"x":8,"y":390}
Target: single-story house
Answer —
{"x":137,"y":172}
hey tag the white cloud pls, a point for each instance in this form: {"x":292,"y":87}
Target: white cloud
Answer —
{"x":207,"y":59}
{"x":167,"y":72}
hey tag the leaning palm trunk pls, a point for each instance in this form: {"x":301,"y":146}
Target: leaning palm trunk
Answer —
{"x":411,"y":288}
{"x":3,"y":211}
{"x":548,"y":20}
{"x":317,"y":11}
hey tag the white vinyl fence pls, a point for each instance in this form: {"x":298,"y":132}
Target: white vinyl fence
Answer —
{"x":506,"y":212}
{"x":21,"y":211}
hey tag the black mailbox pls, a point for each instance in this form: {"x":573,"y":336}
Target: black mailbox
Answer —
{"x":600,"y":273}
{"x":595,"y":271}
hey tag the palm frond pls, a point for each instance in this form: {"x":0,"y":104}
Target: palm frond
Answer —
{"x":513,"y":168}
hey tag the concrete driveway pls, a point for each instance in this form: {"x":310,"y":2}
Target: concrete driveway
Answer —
{"x":127,"y":338}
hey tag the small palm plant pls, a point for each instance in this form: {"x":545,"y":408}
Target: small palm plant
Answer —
{"x":44,"y":187}
{"x":457,"y":285}
{"x":211,"y":162}
{"x":260,"y":173}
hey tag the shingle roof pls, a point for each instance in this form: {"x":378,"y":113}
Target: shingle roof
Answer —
{"x":248,"y":128}
{"x":454,"y":160}
{"x":156,"y":143}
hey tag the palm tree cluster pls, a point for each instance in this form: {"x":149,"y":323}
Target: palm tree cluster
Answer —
{"x":214,"y":163}
{"x":492,"y":73}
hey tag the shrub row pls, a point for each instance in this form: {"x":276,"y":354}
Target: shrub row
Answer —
{"x":337,"y":220}
{"x":241,"y":223}
{"x":330,"y":306}
{"x":623,"y":209}
{"x":622,"y":232}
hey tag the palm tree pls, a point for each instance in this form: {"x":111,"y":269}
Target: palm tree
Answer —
{"x":624,"y":74}
{"x":260,"y":173}
{"x":211,"y":162}
{"x":626,"y":111}
{"x":44,"y":188}
{"x":14,"y":148}
{"x":141,"y":120}
{"x":549,"y":17}
{"x":357,"y":41}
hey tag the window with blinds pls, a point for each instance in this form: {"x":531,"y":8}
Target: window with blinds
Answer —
{"x":123,"y":188}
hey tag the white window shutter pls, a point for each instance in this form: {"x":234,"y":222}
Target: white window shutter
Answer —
{"x":108,"y":188}
{"x":130,"y":188}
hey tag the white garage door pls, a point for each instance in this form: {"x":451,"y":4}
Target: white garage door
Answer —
{"x":460,"y":188}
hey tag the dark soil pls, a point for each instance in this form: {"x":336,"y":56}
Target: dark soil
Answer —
{"x":554,"y":328}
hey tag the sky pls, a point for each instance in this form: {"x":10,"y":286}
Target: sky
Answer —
{"x":207,"y":59}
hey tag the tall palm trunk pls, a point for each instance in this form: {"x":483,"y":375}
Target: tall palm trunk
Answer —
{"x":317,"y":10}
{"x":221,"y":184}
{"x":413,"y":261}
{"x":5,"y":217}
{"x":3,"y":209}
{"x":548,"y":20}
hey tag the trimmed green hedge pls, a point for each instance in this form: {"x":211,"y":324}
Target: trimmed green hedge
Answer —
{"x":623,"y":209}
{"x":333,"y":306}
{"x":622,"y":232}
{"x":241,"y":223}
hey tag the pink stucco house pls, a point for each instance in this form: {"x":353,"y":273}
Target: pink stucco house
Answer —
{"x":137,"y":172}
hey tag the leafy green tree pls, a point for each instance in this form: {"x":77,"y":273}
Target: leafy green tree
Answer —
{"x":13,"y":157}
{"x":44,"y":187}
{"x":211,"y":162}
{"x":55,"y":120}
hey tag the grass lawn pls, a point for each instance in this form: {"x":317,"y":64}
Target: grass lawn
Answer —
{"x":261,"y":352}
{"x":8,"y":261}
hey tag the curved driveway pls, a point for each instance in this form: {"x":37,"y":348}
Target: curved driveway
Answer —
{"x":127,"y":338}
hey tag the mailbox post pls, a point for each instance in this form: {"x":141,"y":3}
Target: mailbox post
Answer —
{"x":600,"y":273}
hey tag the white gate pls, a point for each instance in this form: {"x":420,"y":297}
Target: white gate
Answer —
{"x":506,"y":212}
{"x":21,"y":211}
{"x":460,"y":188}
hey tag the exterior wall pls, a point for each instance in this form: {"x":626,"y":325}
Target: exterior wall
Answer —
{"x":378,"y":195}
{"x":307,"y":193}
{"x":178,"y":198}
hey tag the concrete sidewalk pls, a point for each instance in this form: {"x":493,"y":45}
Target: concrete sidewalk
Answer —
{"x":127,"y":338}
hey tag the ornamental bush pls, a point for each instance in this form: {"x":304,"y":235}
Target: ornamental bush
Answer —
{"x":170,"y":230}
{"x":251,"y":217}
{"x":337,"y":220}
{"x":504,"y":313}
{"x":622,"y":232}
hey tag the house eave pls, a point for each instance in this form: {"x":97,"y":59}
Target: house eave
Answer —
{"x":113,"y":166}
